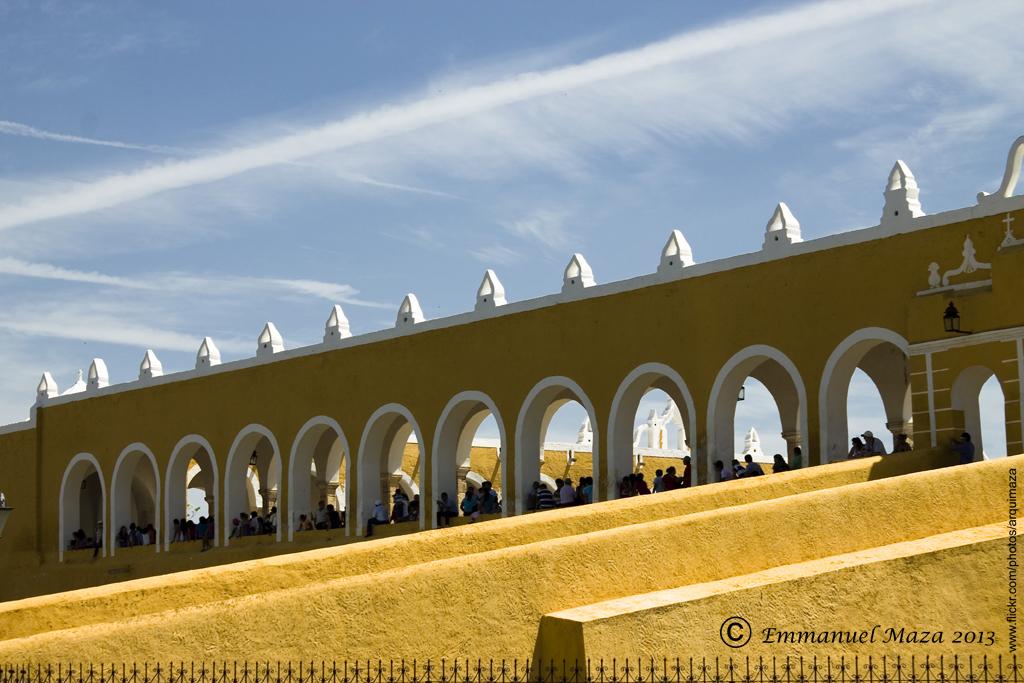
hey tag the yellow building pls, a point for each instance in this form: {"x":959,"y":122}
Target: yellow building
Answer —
{"x":925,"y":305}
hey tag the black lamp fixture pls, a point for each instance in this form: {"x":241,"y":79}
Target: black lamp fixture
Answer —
{"x":951,"y":320}
{"x":743,"y":393}
{"x":254,"y":458}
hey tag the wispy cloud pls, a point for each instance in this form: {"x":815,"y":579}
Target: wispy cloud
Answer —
{"x":26,"y":131}
{"x":546,"y":226}
{"x":495,"y":254}
{"x":188,"y":283}
{"x":389,"y":121}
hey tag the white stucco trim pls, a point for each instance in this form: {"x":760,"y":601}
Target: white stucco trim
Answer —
{"x":183,"y":442}
{"x":20,"y":426}
{"x":554,"y":382}
{"x":91,"y":459}
{"x":1007,"y":334}
{"x":864,"y":334}
{"x":312,"y":423}
{"x":749,"y":353}
{"x":137,"y":447}
{"x":394,"y":410}
{"x":244,"y":433}
{"x":473,"y":397}
{"x":842,"y":239}
{"x":630,"y":380}
{"x":932,"y":431}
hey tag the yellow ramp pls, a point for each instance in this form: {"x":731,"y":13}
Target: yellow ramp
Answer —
{"x":115,"y":602}
{"x":876,"y":602}
{"x":489,"y":604}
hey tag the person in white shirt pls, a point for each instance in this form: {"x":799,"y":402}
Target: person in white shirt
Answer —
{"x":874,"y":446}
{"x":380,"y":516}
{"x":566,"y":494}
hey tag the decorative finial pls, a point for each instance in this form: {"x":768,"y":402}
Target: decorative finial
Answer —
{"x":269,"y":341}
{"x":151,"y":366}
{"x":490,"y":293}
{"x":98,"y":375}
{"x":336,"y":328}
{"x":782,"y":230}
{"x":208,"y":354}
{"x":676,"y":254}
{"x":578,"y":274}
{"x":409,"y":313}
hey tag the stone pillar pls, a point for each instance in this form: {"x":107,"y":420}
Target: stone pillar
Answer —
{"x":265,"y":497}
{"x":321,"y":487}
{"x":792,"y":440}
{"x":331,"y":494}
{"x":270,"y":500}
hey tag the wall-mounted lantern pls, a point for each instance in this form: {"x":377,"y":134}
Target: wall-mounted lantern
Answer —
{"x":743,"y":393}
{"x":951,"y":320}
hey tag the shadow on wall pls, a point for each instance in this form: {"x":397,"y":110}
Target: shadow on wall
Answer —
{"x":897,"y":464}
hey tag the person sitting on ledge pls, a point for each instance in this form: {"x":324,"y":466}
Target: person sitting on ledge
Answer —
{"x":236,"y":528}
{"x":687,"y":473}
{"x":545,"y":501}
{"x":413,"y":514}
{"x":379,"y":516}
{"x":122,"y":537}
{"x":965,"y":448}
{"x":470,"y":503}
{"x":670,"y":482}
{"x":399,"y":506}
{"x":271,"y":520}
{"x":322,"y":519}
{"x":489,"y":503}
{"x":780,"y":464}
{"x":902,"y":444}
{"x":566,"y":494}
{"x":587,"y":490}
{"x":873,"y":444}
{"x":723,"y":473}
{"x":796,"y":460}
{"x":626,"y":489}
{"x":201,"y":527}
{"x":640,"y":485}
{"x":737,"y":468}
{"x":657,"y":486}
{"x":752,"y":469}
{"x":445,"y":510}
{"x":857,"y":448}
{"x":305,"y":524}
{"x":209,"y":535}
{"x":333,"y":518}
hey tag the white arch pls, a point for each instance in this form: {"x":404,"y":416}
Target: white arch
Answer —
{"x":169,"y":486}
{"x":735,"y":370}
{"x":375,"y":437}
{"x":964,"y":396}
{"x":249,"y":435}
{"x":454,"y":434}
{"x":825,"y":388}
{"x":620,"y":424}
{"x":532,"y":423}
{"x":320,"y":423}
{"x":137,"y":447}
{"x":75,"y":464}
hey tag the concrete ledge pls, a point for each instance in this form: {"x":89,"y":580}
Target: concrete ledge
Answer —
{"x":351,"y":556}
{"x":837,"y":593}
{"x":417,"y":610}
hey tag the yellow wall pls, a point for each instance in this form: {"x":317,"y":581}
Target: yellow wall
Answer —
{"x":804,"y":305}
{"x":434,"y":609}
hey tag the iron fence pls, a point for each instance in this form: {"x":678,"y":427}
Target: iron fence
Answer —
{"x":794,"y":669}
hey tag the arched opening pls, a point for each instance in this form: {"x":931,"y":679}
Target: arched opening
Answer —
{"x":979,"y":397}
{"x":879,"y":356}
{"x":190,"y":490}
{"x":651,"y":427}
{"x":134,"y":497}
{"x":465,"y":454}
{"x":758,"y":424}
{"x":391,"y":453}
{"x":538,"y":455}
{"x":252,"y":479}
{"x":779,"y":376}
{"x":318,"y":472}
{"x":82,"y":513}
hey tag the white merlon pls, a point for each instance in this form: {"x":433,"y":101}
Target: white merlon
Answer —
{"x":409,"y":313}
{"x":336,"y":327}
{"x":151,"y":366}
{"x":782,"y":230}
{"x":208,"y":355}
{"x":98,"y":375}
{"x":491,"y":292}
{"x":901,"y":197}
{"x":676,"y":255}
{"x":1014,"y":161}
{"x":79,"y":385}
{"x":269,"y":342}
{"x":47,"y":388}
{"x":578,"y":274}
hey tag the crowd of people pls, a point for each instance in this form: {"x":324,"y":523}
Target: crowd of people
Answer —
{"x":402,"y":510}
{"x":254,"y":524}
{"x":867,"y":444}
{"x":187,"y":530}
{"x":134,"y":535}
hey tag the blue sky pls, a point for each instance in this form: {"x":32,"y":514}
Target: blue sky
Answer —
{"x":173,"y":172}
